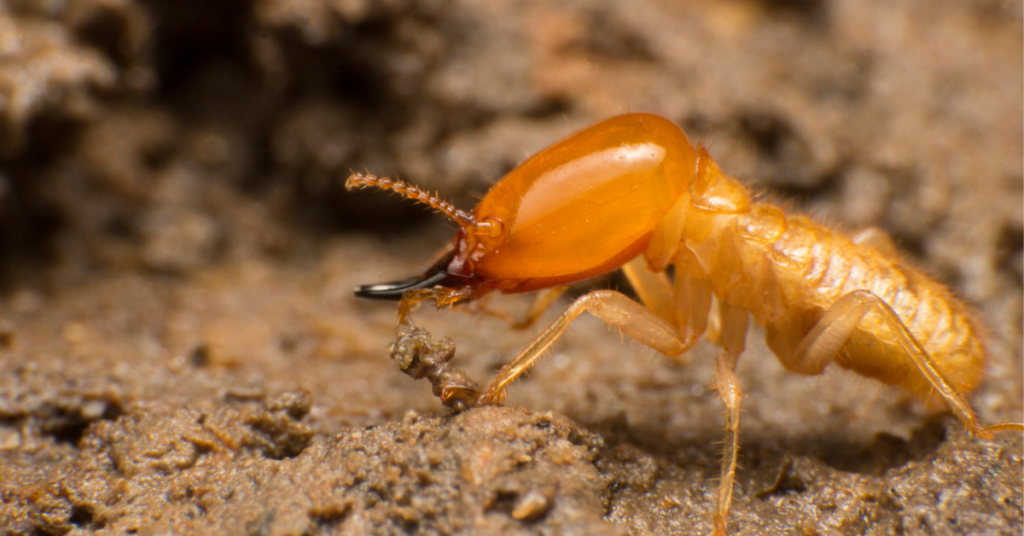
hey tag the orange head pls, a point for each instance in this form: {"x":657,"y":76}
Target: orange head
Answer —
{"x":579,"y":208}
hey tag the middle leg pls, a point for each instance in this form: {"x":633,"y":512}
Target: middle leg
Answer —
{"x":733,"y":340}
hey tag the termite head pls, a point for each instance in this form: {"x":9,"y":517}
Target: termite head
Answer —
{"x":580,"y":208}
{"x":451,"y":271}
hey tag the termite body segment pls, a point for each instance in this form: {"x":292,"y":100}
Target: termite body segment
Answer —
{"x":632,"y":192}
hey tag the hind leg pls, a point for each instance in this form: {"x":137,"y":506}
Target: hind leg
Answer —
{"x":829,"y":334}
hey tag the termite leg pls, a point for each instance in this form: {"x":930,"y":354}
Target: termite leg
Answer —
{"x":411,"y":300}
{"x":833,"y":329}
{"x":693,"y":295}
{"x":734,"y":332}
{"x":443,"y":297}
{"x":483,"y":306}
{"x":1001,"y":427}
{"x":692,"y":302}
{"x":653,"y":289}
{"x":540,"y":304}
{"x":688,"y":308}
{"x":614,"y":308}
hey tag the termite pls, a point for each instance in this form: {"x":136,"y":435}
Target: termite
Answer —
{"x":632,"y":192}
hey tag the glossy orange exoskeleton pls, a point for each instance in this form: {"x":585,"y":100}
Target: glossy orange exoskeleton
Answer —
{"x":632,"y":192}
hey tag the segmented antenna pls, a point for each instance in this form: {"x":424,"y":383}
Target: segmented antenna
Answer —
{"x":358,"y":180}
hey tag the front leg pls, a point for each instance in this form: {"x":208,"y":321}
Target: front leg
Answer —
{"x":615,"y":309}
{"x":691,"y":298}
{"x":443,"y":297}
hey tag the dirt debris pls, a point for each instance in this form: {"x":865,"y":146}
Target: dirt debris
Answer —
{"x":479,"y":471}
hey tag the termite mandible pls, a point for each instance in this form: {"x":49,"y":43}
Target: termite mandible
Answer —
{"x":632,"y":192}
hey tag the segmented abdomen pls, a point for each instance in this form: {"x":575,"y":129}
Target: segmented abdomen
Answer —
{"x":813,"y":266}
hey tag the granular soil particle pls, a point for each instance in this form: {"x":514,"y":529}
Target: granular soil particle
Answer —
{"x":180,"y":350}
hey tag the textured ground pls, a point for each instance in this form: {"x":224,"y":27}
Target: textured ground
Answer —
{"x":179,"y":346}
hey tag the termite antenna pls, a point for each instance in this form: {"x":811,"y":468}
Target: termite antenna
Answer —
{"x":358,"y":180}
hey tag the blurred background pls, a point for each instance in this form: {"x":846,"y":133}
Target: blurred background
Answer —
{"x":168,"y":136}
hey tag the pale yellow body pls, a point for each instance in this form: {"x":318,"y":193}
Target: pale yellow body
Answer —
{"x":822,"y":297}
{"x":788,"y":270}
{"x":633,"y":187}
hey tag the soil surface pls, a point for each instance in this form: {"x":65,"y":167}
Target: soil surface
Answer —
{"x":181,"y":352}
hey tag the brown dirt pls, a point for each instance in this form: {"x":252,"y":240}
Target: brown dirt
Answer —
{"x":179,"y":346}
